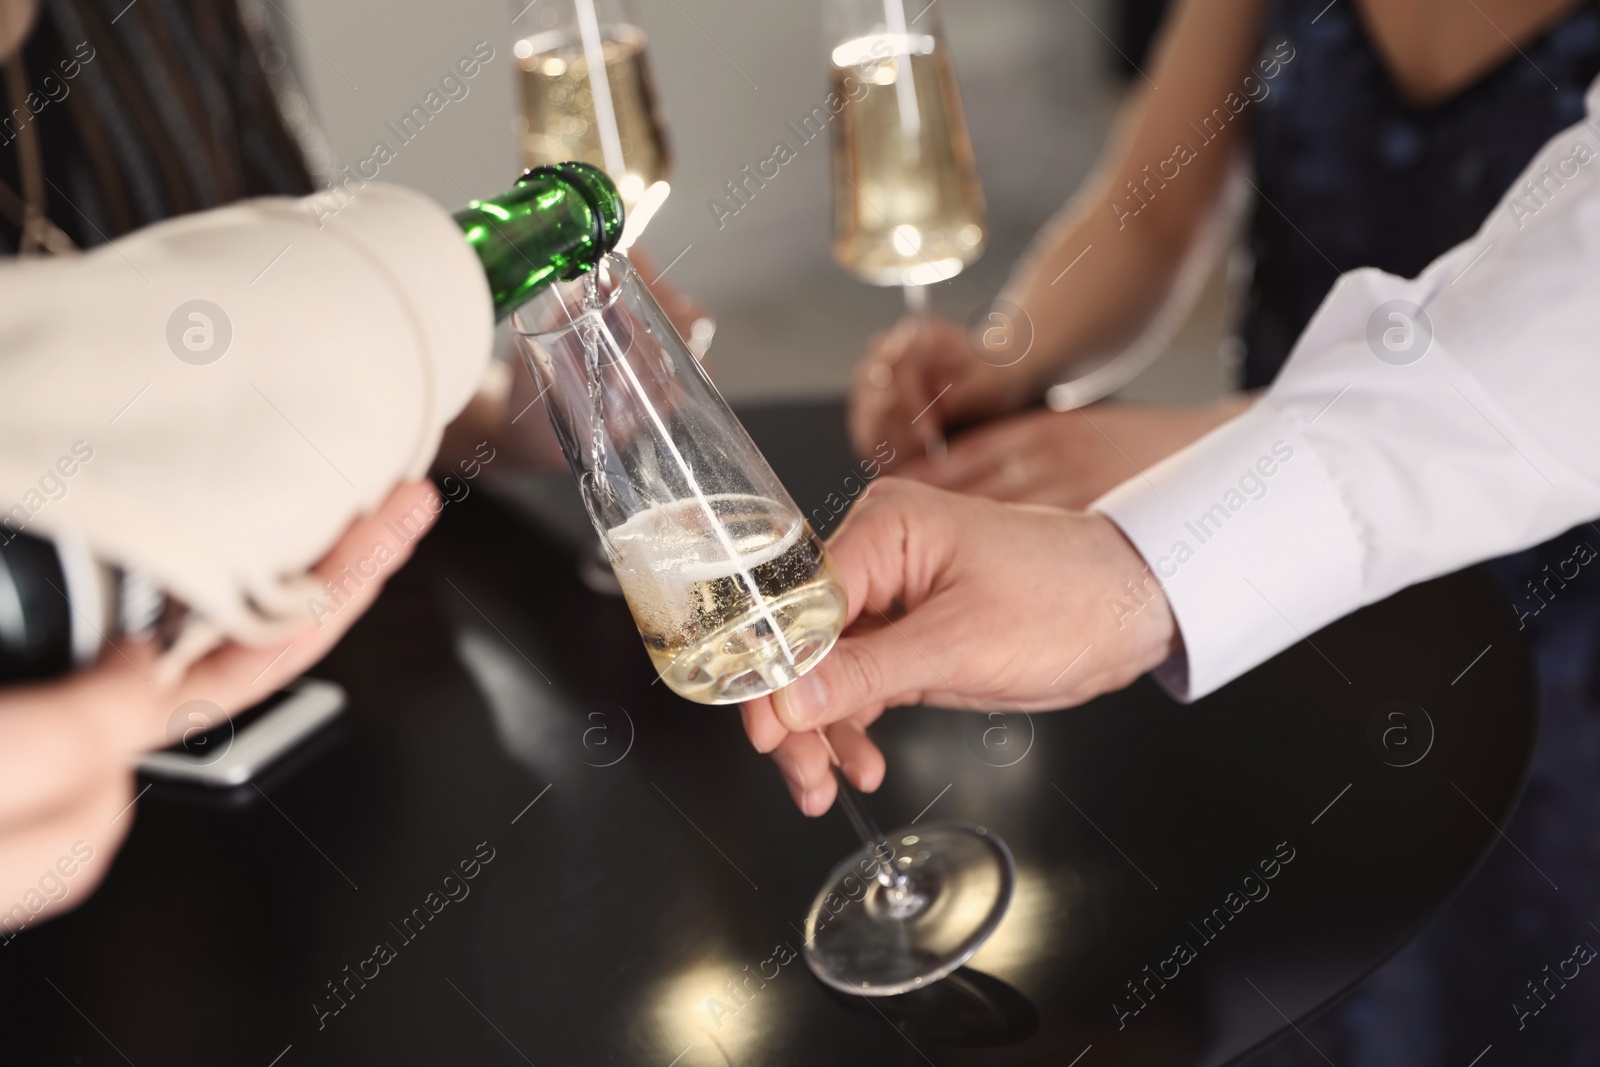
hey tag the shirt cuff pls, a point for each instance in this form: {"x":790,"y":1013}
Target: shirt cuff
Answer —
{"x":1249,"y":537}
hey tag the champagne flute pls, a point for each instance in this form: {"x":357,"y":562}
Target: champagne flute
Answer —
{"x":735,"y":597}
{"x":908,"y":207}
{"x":733,"y":593}
{"x":587,"y":94}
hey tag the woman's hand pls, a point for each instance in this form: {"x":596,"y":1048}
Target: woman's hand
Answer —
{"x":1067,"y":459}
{"x":68,"y":747}
{"x":988,"y":603}
{"x":926,"y":374}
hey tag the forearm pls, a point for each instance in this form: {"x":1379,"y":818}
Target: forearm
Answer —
{"x":1419,"y":426}
{"x":1086,"y":287}
{"x":1100,"y":270}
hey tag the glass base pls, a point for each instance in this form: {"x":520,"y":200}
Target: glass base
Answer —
{"x":877,"y":940}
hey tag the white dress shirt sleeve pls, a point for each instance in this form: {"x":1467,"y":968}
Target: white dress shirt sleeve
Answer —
{"x":1417,"y":427}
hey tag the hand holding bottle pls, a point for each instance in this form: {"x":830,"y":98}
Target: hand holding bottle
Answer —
{"x":68,"y":748}
{"x":316,"y":414}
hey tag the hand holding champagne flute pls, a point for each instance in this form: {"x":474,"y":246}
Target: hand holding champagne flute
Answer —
{"x":735,"y":597}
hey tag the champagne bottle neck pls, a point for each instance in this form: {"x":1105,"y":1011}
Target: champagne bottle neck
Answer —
{"x":554,"y":224}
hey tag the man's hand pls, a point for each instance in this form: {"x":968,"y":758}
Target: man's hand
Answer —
{"x":985,"y":602}
{"x":1067,"y":459}
{"x":68,"y":748}
{"x":924,"y":375}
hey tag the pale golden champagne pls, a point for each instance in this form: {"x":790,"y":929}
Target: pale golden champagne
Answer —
{"x":908,"y":208}
{"x":733,"y":594}
{"x":559,"y":108}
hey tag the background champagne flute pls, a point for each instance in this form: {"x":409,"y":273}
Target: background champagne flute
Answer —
{"x":586,"y":93}
{"x":908,"y":207}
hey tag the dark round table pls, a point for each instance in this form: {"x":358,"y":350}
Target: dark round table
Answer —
{"x":1194,"y":881}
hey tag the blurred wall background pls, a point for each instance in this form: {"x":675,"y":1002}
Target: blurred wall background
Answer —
{"x":1040,"y":80}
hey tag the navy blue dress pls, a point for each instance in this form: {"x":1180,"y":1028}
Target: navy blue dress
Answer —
{"x":1358,"y":177}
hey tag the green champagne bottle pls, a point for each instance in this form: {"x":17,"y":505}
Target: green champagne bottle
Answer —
{"x":555,"y":223}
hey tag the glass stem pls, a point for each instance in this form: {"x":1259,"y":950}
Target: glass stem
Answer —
{"x":917,"y":304}
{"x":865,"y":825}
{"x":916,"y":299}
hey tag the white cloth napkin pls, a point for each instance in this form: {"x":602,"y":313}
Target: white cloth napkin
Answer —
{"x":224,"y":474}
